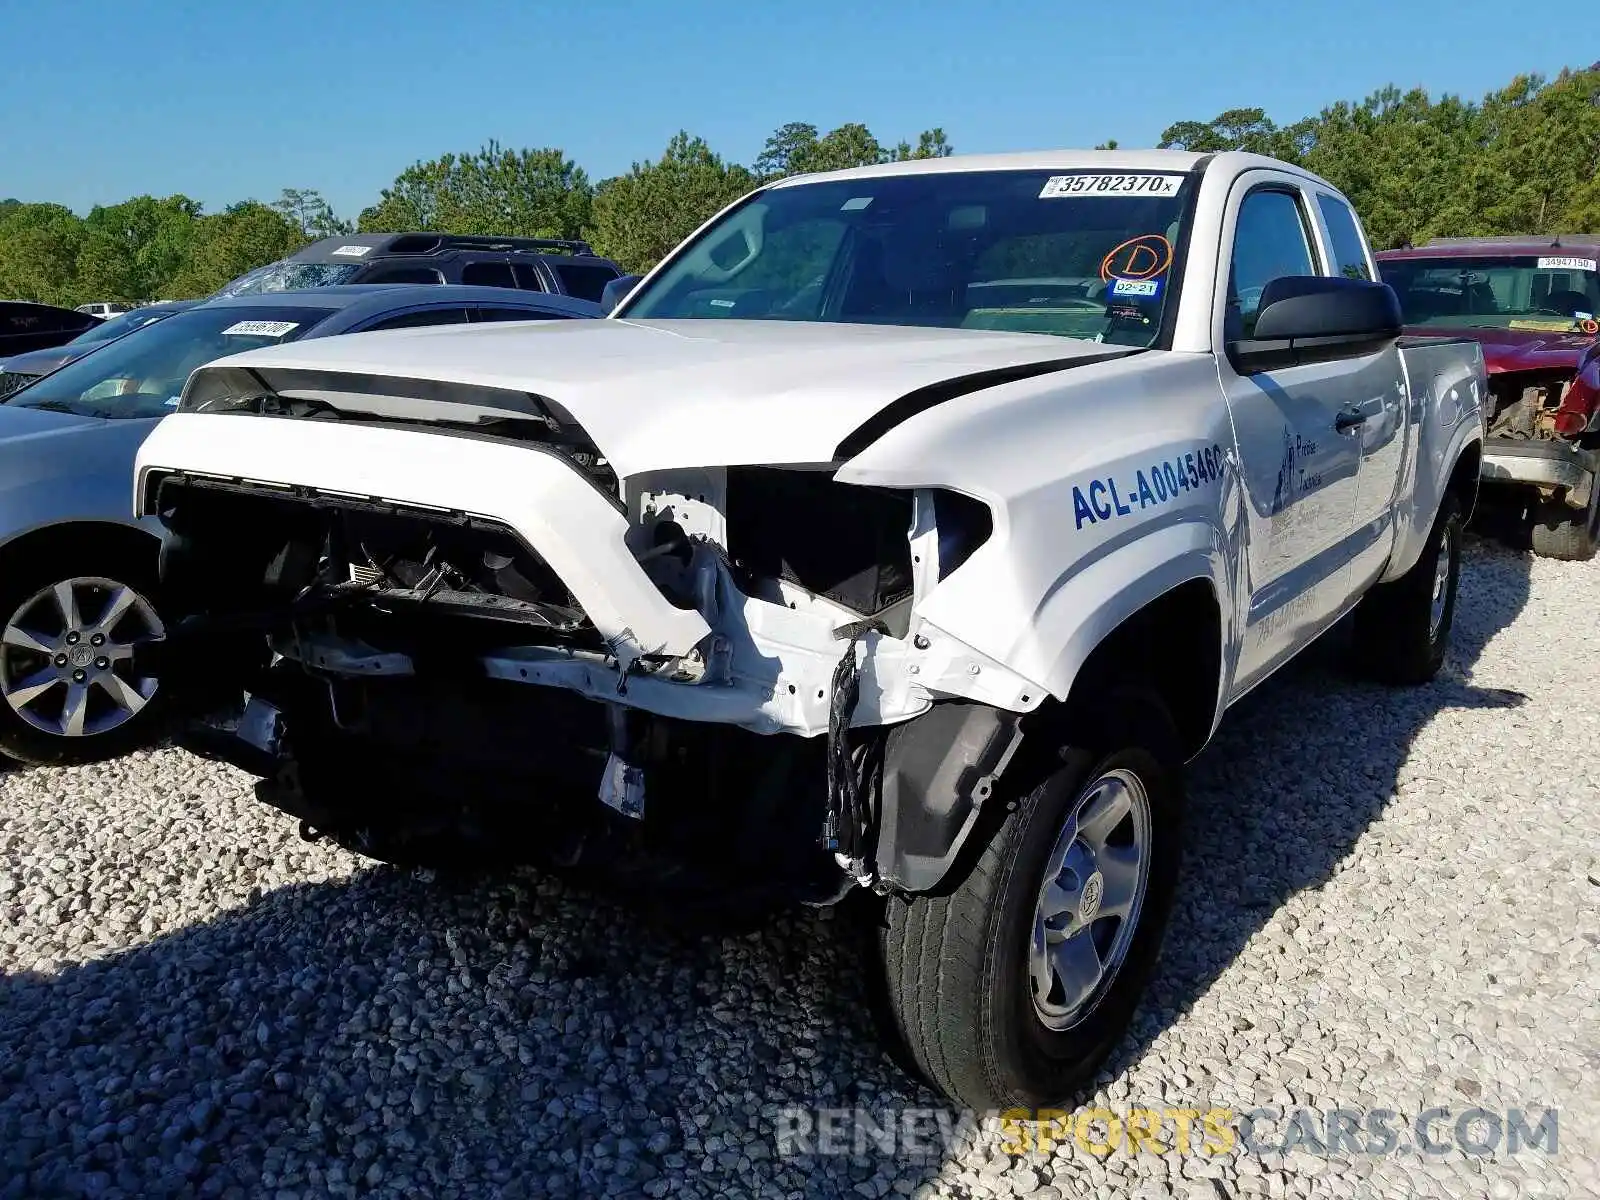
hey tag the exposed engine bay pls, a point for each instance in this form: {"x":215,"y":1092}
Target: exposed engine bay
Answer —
{"x":1532,"y":406}
{"x":394,"y":670}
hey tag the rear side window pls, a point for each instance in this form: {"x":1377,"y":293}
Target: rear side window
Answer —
{"x":1349,"y":255}
{"x":1270,"y":241}
{"x":427,"y":316}
{"x":488,"y":274}
{"x":584,"y":280}
{"x":403,"y":274}
{"x":528,"y":277}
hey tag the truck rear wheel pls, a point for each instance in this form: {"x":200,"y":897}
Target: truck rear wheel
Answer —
{"x":1560,"y":531}
{"x":1403,"y":627}
{"x":1013,"y":987}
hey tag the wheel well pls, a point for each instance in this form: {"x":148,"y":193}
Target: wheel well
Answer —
{"x":1173,"y":645}
{"x":1465,"y":476}
{"x":77,"y":536}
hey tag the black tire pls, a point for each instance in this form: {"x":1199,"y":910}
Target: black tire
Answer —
{"x":955,"y":976}
{"x":1560,"y":531}
{"x":1396,"y":639}
{"x":80,"y":559}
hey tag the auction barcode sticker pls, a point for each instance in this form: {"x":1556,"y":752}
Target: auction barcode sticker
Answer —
{"x":1566,"y":264}
{"x":260,"y":328}
{"x":1110,"y":185}
{"x":352,"y":251}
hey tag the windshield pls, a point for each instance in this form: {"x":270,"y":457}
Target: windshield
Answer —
{"x":1079,"y":254}
{"x":142,"y":375}
{"x":1552,"y":292}
{"x":286,"y":276}
{"x":117,"y":326}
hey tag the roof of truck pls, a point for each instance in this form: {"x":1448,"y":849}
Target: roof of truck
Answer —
{"x":1232,"y":161}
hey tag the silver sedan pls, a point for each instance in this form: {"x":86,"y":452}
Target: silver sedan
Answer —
{"x":77,"y":571}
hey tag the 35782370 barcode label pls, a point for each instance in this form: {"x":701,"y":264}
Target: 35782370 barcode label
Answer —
{"x":1060,"y":186}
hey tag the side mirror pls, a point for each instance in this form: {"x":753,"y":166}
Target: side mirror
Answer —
{"x":616,"y":290}
{"x":1317,"y":318}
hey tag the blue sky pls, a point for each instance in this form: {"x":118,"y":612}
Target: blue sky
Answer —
{"x":224,"y":101}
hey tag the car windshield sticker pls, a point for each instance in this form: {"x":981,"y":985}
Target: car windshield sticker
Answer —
{"x":260,"y":328}
{"x":1058,"y":186}
{"x":1567,"y":264}
{"x":1142,"y":257}
{"x":1543,"y":324}
{"x":1103,"y":500}
{"x":352,"y":251}
{"x":855,"y":204}
{"x":1147,"y":289}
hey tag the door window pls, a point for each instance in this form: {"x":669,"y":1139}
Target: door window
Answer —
{"x":426,"y":316}
{"x":1349,"y":255}
{"x":400,"y":273}
{"x":488,"y":274}
{"x":527,"y":276}
{"x":1270,"y":241}
{"x":483,"y":313}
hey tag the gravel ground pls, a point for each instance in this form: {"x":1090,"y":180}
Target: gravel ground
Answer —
{"x":1393,"y":902}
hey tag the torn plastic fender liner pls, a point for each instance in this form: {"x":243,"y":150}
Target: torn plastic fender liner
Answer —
{"x":535,"y":492}
{"x":938,"y":772}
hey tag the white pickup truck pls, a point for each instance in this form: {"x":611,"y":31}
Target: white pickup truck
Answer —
{"x":907,"y":529}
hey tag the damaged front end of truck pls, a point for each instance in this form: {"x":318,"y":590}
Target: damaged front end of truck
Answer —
{"x":439,"y":626}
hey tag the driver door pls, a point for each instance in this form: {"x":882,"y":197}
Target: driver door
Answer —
{"x":1298,"y":463}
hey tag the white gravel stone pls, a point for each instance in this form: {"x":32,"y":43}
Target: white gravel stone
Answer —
{"x":1390,"y":901}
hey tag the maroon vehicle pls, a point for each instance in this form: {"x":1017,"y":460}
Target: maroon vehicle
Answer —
{"x":1533,"y":303}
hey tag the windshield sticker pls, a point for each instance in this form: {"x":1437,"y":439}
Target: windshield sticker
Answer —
{"x":722,"y":303}
{"x":352,"y":251}
{"x":855,"y":204}
{"x":1542,"y":325}
{"x":1103,"y":500}
{"x":1142,"y":257}
{"x":260,"y":328}
{"x":1567,"y":264}
{"x":1058,"y":186}
{"x":1147,"y":289}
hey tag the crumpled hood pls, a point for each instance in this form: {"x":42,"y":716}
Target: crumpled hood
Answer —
{"x":656,"y":394}
{"x":1520,"y":349}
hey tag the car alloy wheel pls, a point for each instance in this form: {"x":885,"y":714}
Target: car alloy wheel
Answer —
{"x":66,"y":657}
{"x":1089,"y":899}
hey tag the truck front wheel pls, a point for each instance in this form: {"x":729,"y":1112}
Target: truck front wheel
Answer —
{"x":1012,"y":988}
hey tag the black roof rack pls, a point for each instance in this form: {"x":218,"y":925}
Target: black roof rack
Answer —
{"x":429,"y":242}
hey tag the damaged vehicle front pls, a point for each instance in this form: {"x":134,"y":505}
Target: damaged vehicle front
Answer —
{"x":902,"y":534}
{"x":1534,"y":305}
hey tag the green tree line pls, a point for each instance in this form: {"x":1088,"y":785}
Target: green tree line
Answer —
{"x":1524,"y":159}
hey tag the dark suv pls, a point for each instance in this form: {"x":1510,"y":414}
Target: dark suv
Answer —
{"x":565,"y":267}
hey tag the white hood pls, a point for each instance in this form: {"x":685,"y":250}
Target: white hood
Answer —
{"x":657,"y":394}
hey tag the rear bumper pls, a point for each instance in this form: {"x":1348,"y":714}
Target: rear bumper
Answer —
{"x":1543,"y":464}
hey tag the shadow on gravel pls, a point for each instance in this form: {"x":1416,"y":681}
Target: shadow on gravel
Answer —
{"x":1297,"y":772}
{"x":395,"y":1035}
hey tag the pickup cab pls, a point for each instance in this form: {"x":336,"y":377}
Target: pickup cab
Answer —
{"x":899,"y":537}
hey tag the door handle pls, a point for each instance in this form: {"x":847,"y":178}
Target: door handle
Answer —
{"x":1349,"y":419}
